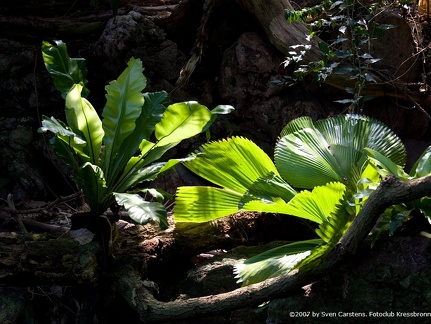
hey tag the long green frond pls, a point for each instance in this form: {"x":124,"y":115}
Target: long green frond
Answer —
{"x":422,"y":166}
{"x":234,"y":163}
{"x":140,"y":171}
{"x":66,"y":144}
{"x":273,"y":263}
{"x":66,"y":153}
{"x":92,"y":182}
{"x":384,"y":166}
{"x":203,"y":204}
{"x":181,"y":121}
{"x":83,"y":119}
{"x":152,"y":112}
{"x":65,"y":71}
{"x":124,"y":101}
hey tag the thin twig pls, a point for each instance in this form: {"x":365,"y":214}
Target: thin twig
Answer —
{"x":48,"y":207}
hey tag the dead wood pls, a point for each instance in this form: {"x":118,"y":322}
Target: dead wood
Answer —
{"x":140,"y":294}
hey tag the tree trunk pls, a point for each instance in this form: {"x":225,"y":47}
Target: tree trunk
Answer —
{"x":271,"y":16}
{"x":140,"y":294}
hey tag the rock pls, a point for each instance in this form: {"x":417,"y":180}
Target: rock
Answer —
{"x":263,"y":107}
{"x":19,"y":174}
{"x":20,"y":137}
{"x":134,"y":35}
{"x":396,"y":48}
{"x":16,"y":65}
{"x":406,"y":121}
{"x":247,"y":70}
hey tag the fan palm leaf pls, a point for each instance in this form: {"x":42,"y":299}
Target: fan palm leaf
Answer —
{"x":234,"y":163}
{"x":274,"y":262}
{"x":308,"y":155}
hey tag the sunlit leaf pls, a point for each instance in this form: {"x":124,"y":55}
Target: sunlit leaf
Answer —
{"x":142,"y":211}
{"x":203,"y":204}
{"x":267,"y":188}
{"x":422,"y":166}
{"x":235,"y":163}
{"x":275,"y":262}
{"x":65,"y":71}
{"x":83,"y":119}
{"x":152,"y":112}
{"x":384,"y":165}
{"x":124,"y":102}
{"x":305,"y":159}
{"x":180,"y":121}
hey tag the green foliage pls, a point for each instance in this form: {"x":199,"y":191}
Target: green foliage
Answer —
{"x":328,"y":157}
{"x":352,"y":26}
{"x":274,"y":262}
{"x":395,"y":215}
{"x":65,"y":71}
{"x":237,"y":165}
{"x":111,"y":156}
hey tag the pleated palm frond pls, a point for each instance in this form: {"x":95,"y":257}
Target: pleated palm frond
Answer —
{"x":274,"y":262}
{"x":332,"y":149}
{"x":242,"y":170}
{"x":333,"y":228}
{"x":314,"y":205}
{"x":234,"y":163}
{"x":359,"y":132}
{"x":305,"y":159}
{"x":324,"y":206}
{"x":266,"y":189}
{"x":330,"y":231}
{"x":200,"y":204}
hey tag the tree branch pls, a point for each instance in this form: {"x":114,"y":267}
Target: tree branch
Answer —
{"x":140,"y":294}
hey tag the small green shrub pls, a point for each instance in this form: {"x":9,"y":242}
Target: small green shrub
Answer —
{"x":111,"y":156}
